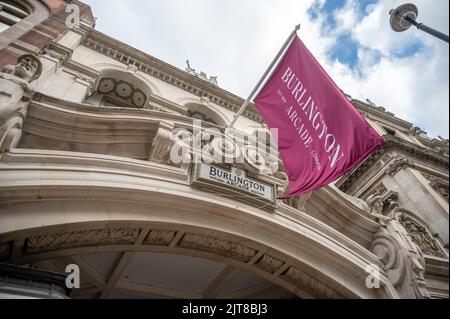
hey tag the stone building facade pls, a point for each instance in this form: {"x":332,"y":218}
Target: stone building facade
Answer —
{"x":87,"y":177}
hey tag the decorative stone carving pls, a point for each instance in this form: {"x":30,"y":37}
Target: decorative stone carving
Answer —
{"x":298,"y":202}
{"x":442,"y":189}
{"x":416,"y":131}
{"x":155,"y":107}
{"x":56,"y":55}
{"x":283,"y":188}
{"x":11,"y":131}
{"x":27,"y":69}
{"x":202,"y":75}
{"x":123,"y":91}
{"x":204,"y":100}
{"x":258,"y":161}
{"x":82,"y":77}
{"x":376,"y":204}
{"x":217,"y":246}
{"x":421,"y":237}
{"x":391,"y":206}
{"x":57,"y":52}
{"x":160,"y":237}
{"x":15,"y":92}
{"x":397,"y":165}
{"x":132,"y":68}
{"x":162,"y":144}
{"x":310,"y":284}
{"x":269,"y":263}
{"x":402,"y":260}
{"x":394,"y":145}
{"x":216,"y":147}
{"x":379,"y":190}
{"x":438,"y":184}
{"x":111,"y":236}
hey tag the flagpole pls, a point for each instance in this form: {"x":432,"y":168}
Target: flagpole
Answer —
{"x":263,"y":78}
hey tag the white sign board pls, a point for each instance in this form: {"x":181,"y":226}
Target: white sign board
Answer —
{"x":236,"y":179}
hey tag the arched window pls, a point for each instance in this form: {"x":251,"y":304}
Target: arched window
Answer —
{"x":120,"y":89}
{"x":199,"y":116}
{"x":204,"y":113}
{"x":11,"y":12}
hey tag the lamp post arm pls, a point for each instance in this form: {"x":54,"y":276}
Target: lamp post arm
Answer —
{"x":426,"y":29}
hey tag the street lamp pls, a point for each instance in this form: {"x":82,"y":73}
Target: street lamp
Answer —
{"x":405,"y":15}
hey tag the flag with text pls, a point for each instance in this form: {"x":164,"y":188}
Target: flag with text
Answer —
{"x":321,"y":135}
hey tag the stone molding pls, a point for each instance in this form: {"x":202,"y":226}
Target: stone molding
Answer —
{"x":245,"y":255}
{"x":402,"y":261}
{"x":187,"y":82}
{"x":408,"y":154}
{"x":439,"y":184}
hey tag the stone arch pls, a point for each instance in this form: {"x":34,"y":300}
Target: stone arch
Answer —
{"x":105,"y":68}
{"x":119,"y":88}
{"x":74,"y":227}
{"x":242,"y":253}
{"x":204,"y":111}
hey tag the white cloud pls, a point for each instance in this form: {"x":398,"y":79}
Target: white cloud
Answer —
{"x":346,"y":17}
{"x":236,"y":40}
{"x":414,"y":87}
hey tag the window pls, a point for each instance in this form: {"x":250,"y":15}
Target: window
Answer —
{"x":389,"y":131}
{"x":206,"y":113}
{"x":11,"y":12}
{"x":120,"y":90}
{"x":200,"y":116}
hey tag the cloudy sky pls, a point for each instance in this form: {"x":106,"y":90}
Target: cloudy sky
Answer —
{"x":407,"y":73}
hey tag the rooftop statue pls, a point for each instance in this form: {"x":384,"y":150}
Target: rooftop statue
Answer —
{"x":201,"y":74}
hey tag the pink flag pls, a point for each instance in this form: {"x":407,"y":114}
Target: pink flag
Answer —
{"x":321,"y":135}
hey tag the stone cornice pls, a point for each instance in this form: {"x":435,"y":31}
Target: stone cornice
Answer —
{"x":379,"y":112}
{"x":417,"y":151}
{"x":414,"y":151}
{"x":150,"y":65}
{"x":436,"y":266}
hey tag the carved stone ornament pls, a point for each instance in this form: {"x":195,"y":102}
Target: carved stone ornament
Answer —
{"x":438,"y":184}
{"x":213,"y":148}
{"x":421,"y":237}
{"x":311,"y":284}
{"x":161,"y":145}
{"x":269,"y":263}
{"x":298,"y":202}
{"x":113,"y":236}
{"x":378,"y":190}
{"x":28,"y":69}
{"x":218,"y":246}
{"x":15,"y":92}
{"x":202,"y":75}
{"x":376,"y":204}
{"x":397,"y":165}
{"x":160,"y":237}
{"x":402,"y":260}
